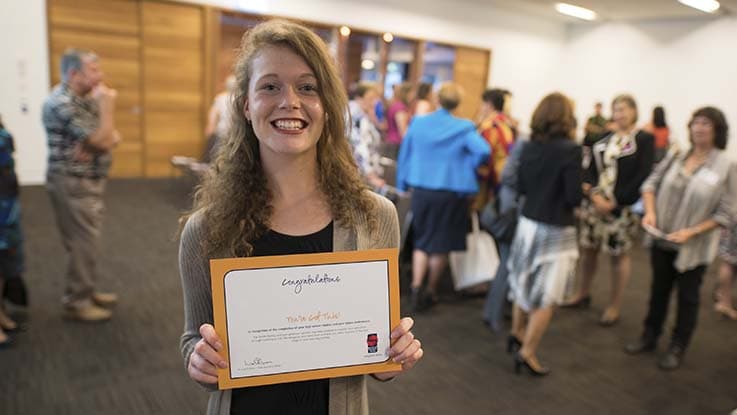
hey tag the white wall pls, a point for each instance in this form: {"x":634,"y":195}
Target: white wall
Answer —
{"x":681,"y":65}
{"x":24,"y":81}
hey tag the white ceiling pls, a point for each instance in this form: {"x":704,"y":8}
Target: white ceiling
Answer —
{"x":610,"y":9}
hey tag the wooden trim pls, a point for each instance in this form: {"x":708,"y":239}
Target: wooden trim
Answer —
{"x":142,"y":89}
{"x":418,"y":65}
{"x":210,"y":57}
{"x":383,"y":62}
{"x":49,"y":46}
{"x":488,"y":67}
{"x":341,"y":57}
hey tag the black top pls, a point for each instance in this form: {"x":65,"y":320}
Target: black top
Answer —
{"x":550,"y":179}
{"x":632,"y":168}
{"x":308,"y":397}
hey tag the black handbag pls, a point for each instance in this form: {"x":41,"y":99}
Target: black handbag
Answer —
{"x":500,"y":225}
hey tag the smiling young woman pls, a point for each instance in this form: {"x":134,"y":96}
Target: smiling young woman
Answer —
{"x":284,"y":182}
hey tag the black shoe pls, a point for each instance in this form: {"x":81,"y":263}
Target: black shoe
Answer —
{"x":513,"y":344}
{"x":672,"y":359}
{"x":584,"y":302}
{"x":608,"y":322}
{"x":642,"y":345}
{"x":420,"y":300}
{"x":520,"y":362}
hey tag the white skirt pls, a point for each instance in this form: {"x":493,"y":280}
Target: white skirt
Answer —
{"x":542,"y":264}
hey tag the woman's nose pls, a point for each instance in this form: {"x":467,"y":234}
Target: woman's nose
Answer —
{"x":290,"y":99}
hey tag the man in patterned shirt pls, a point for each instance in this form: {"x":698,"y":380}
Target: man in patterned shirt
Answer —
{"x":78,"y":118}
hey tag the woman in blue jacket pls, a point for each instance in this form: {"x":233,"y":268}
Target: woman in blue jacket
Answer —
{"x":438,"y":159}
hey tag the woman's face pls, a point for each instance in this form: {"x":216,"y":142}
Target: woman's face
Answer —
{"x":284,"y":104}
{"x":623,"y":115}
{"x":702,"y":132}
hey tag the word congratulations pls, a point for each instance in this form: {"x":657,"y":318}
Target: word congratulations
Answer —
{"x":309,"y":280}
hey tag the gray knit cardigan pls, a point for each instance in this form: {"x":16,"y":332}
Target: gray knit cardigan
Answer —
{"x":348,"y":395}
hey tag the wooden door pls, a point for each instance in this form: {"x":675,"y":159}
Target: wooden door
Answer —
{"x":172,"y":84}
{"x":112,"y":32}
{"x":471,"y":72}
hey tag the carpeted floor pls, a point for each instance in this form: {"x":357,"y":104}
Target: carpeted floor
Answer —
{"x":132,"y":364}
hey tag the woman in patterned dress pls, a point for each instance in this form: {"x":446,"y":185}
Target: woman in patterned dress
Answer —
{"x":618,"y":165}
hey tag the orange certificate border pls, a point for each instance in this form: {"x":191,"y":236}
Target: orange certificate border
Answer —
{"x":219,"y":268}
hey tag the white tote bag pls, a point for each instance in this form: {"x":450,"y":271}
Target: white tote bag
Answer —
{"x":479,"y":262}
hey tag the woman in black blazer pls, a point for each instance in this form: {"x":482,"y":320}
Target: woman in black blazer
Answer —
{"x":617,"y":166}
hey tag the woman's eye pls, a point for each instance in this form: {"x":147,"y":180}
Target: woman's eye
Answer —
{"x":309,"y":88}
{"x":269,"y":87}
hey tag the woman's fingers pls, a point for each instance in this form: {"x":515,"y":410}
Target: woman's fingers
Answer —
{"x":405,"y":325}
{"x":199,"y":375}
{"x":204,"y":350}
{"x":407,"y":353}
{"x":401,"y":344}
{"x":414,"y":358}
{"x":203,"y":365}
{"x":207,"y":331}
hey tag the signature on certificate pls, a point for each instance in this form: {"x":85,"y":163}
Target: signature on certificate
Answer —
{"x":257,"y":361}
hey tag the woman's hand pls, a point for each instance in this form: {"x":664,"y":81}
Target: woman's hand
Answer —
{"x":205,"y":360}
{"x":650,"y":220}
{"x":681,"y":236}
{"x":586,"y":188}
{"x":602,"y":204}
{"x":406,"y":349}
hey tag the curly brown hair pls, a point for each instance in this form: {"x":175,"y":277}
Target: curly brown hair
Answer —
{"x":234,"y":199}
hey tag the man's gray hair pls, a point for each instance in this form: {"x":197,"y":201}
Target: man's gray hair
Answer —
{"x":72,"y":60}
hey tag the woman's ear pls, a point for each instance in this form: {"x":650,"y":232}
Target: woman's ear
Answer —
{"x":246,"y":113}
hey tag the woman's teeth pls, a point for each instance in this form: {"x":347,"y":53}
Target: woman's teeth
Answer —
{"x":288,"y":124}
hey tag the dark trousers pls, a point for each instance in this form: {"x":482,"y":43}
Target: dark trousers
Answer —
{"x":498,"y":289}
{"x":665,"y":276}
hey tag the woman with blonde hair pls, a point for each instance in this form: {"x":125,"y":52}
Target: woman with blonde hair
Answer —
{"x":544,"y":252}
{"x":619,"y":164}
{"x":438,"y":161}
{"x":284,"y":182}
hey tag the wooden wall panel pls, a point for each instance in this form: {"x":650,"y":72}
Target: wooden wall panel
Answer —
{"x":471,"y":72}
{"x":111,"y":29}
{"x":173,"y":84}
{"x":109,"y":16}
{"x":230,"y":42}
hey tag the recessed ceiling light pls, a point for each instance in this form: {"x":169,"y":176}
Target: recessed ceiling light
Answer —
{"x":575,"y":11}
{"x":345,"y":30}
{"x":388,"y":37}
{"x":368,"y":64}
{"x":707,"y":6}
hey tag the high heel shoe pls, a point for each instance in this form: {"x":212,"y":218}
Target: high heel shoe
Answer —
{"x":513,"y":344}
{"x":583,"y":302}
{"x":725,"y":311}
{"x":520,"y":362}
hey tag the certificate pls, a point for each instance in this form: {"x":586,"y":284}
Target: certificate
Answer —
{"x":300,"y":317}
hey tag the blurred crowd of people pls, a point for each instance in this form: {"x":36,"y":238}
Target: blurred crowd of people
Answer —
{"x":558,"y":204}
